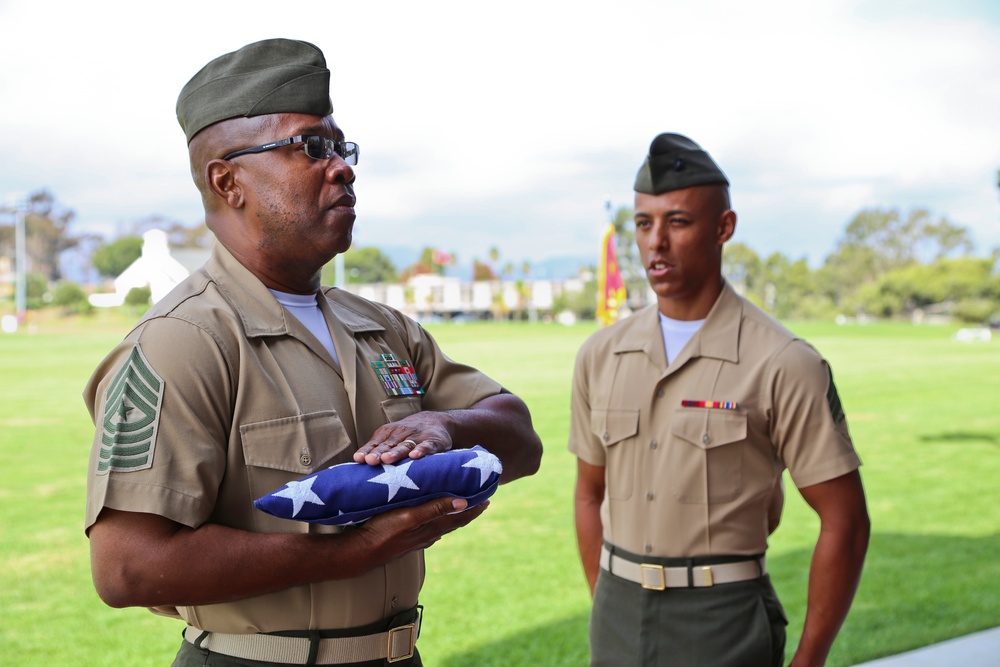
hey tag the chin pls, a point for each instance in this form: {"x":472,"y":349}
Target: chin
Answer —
{"x":345,"y":245}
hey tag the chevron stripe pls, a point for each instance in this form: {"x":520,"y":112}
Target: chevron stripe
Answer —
{"x":131,"y":416}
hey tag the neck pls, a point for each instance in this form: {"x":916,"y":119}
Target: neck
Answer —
{"x":297,"y":279}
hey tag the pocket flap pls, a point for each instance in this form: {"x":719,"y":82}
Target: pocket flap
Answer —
{"x":294,"y":444}
{"x":708,"y":428}
{"x":613,"y":426}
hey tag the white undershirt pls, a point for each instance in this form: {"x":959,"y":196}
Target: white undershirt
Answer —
{"x":676,"y":334}
{"x":306,"y":310}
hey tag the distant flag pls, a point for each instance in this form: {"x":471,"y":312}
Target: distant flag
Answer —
{"x":610,"y":285}
{"x":440,"y":257}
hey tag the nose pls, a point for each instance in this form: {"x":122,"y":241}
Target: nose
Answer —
{"x":658,"y":239}
{"x":339,"y":170}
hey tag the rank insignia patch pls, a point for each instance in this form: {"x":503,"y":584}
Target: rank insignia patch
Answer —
{"x":397,"y":377}
{"x":833,"y":399}
{"x":131,"y":416}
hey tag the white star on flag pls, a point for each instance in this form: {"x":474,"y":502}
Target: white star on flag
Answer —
{"x":300,"y":493}
{"x":395,"y":478}
{"x":487,"y":463}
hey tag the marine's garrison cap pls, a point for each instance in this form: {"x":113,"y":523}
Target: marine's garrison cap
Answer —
{"x":674,"y":163}
{"x":271,"y":76}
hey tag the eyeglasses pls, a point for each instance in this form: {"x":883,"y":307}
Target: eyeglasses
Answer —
{"x":317,"y":147}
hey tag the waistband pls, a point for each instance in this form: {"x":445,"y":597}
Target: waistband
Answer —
{"x":658,"y":576}
{"x":393,"y":645}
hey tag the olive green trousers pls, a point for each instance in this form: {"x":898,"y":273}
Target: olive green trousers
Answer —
{"x":730,"y":625}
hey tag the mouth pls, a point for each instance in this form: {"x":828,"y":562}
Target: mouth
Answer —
{"x":658,"y":267}
{"x":345,"y":201}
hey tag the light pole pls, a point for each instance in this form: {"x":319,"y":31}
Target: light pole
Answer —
{"x":20,"y":258}
{"x":17,"y":202}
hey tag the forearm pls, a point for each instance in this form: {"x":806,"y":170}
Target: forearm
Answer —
{"x":589,"y":537}
{"x":833,"y":580}
{"x":147,"y":560}
{"x":834,"y":573}
{"x":587,"y":499}
{"x":176,"y":565}
{"x":501,"y":424}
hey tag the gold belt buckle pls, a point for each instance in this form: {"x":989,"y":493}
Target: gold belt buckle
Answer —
{"x":652,"y":577}
{"x":390,"y":654}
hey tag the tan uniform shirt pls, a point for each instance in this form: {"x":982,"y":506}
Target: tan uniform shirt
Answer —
{"x":698,"y":480}
{"x":220,"y":396}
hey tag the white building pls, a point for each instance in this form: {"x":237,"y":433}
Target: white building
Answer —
{"x":155,"y":269}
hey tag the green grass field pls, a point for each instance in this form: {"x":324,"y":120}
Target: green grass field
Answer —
{"x":509,"y":590}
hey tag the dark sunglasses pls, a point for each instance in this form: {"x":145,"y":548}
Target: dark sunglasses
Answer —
{"x":317,"y":147}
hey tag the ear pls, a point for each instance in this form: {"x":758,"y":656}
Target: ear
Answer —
{"x":221,"y":179}
{"x":727,"y":226}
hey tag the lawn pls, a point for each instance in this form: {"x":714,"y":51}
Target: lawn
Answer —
{"x":509,"y":590}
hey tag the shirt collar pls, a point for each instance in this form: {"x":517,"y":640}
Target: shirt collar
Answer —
{"x":258,"y":310}
{"x":718,"y":337}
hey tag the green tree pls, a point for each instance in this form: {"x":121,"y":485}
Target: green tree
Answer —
{"x":581,"y":303}
{"x":482,"y":271}
{"x":742,"y":267}
{"x":431,"y":260}
{"x":968,"y":284}
{"x":112,"y":258}
{"x":138,"y":296}
{"x":365,"y":264}
{"x":789,"y":289}
{"x":36,"y":290}
{"x":47,"y":234}
{"x":877,"y":241}
{"x":71,"y":298}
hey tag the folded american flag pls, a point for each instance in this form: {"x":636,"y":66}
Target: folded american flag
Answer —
{"x":353,"y":492}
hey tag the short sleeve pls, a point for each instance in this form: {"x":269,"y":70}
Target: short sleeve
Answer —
{"x":161,"y":408}
{"x":582,"y":440}
{"x":808,"y":424}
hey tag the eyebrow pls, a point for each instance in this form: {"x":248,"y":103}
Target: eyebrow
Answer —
{"x":320,"y":130}
{"x":673,"y":211}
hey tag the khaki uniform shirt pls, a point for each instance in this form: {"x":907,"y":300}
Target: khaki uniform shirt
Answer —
{"x":220,"y":396}
{"x":698,"y":480}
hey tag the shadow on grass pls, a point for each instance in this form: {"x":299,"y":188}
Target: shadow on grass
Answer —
{"x":916,"y":590}
{"x":562,"y":643}
{"x":960,"y":437}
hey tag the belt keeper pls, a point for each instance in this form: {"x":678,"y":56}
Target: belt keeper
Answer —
{"x":314,"y":639}
{"x":200,"y":640}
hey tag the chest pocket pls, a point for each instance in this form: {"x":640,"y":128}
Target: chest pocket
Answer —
{"x":706,"y":455}
{"x":398,"y":407}
{"x":616,"y":429}
{"x":280,"y":450}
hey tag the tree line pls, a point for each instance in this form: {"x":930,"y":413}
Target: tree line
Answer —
{"x":884,"y":264}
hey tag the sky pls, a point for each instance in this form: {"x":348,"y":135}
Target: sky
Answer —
{"x":511,"y":124}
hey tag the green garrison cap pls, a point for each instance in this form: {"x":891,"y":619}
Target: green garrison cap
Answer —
{"x":272,"y":76}
{"x":674,"y":163}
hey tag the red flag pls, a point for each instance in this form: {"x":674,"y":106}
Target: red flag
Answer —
{"x":610,"y":286}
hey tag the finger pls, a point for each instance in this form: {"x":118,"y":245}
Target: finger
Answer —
{"x":389,"y":450}
{"x":428,"y":447}
{"x":395,"y":451}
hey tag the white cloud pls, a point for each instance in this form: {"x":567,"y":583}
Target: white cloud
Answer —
{"x":508,"y":123}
